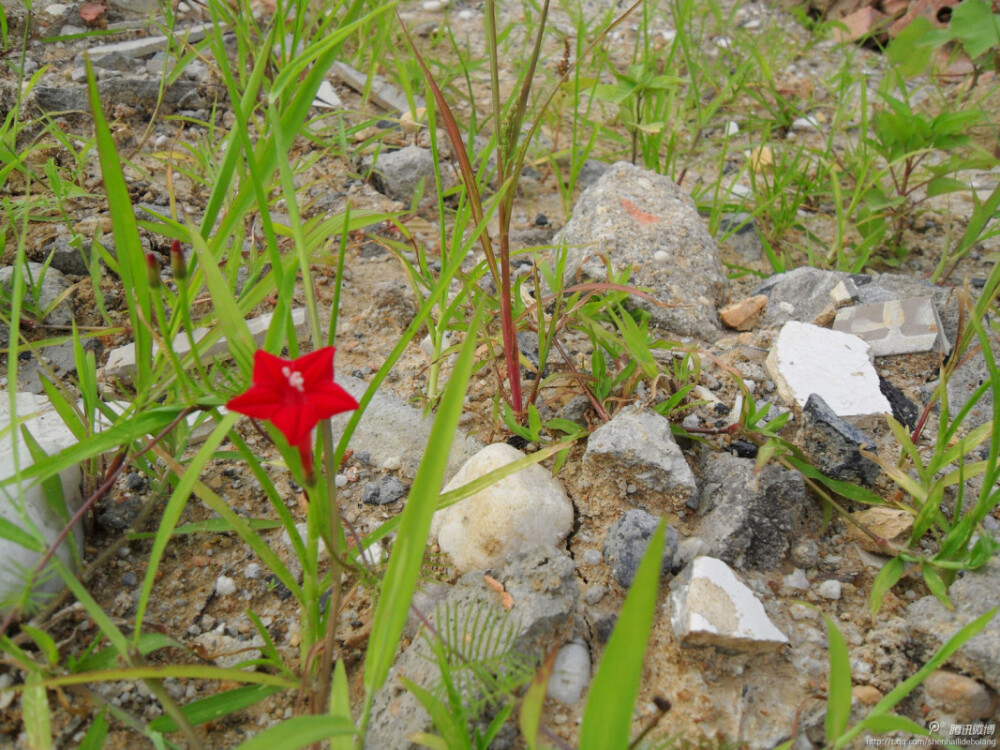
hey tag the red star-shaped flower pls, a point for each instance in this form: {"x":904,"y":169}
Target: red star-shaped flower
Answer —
{"x":294,"y":395}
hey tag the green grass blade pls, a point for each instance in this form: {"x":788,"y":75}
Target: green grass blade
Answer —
{"x":36,"y":715}
{"x":838,"y":699}
{"x":607,"y":718}
{"x":217,"y":706}
{"x":408,"y":553}
{"x":298,"y":732}
{"x":128,"y":248}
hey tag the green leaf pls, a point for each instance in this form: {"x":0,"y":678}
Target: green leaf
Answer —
{"x":45,"y":644}
{"x":607,"y":718}
{"x":453,"y":734}
{"x":128,"y":248}
{"x":893,"y":723}
{"x":216,"y":706}
{"x":340,"y":704}
{"x":838,"y":702}
{"x":299,"y":731}
{"x":942,"y":185}
{"x":937,"y":586}
{"x":891,"y":572}
{"x":14,"y":533}
{"x":35,"y":713}
{"x":975,"y":26}
{"x":408,"y":553}
{"x":534,"y":700}
{"x":98,"y":732}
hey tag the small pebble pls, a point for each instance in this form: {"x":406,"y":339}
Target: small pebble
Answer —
{"x":593,"y":557}
{"x":224,"y":586}
{"x":661,"y":256}
{"x":393,"y":463}
{"x":129,"y":579}
{"x":796,"y":581}
{"x":594,"y":594}
{"x":252,"y":571}
{"x":433,"y":6}
{"x":340,"y":480}
{"x":829,"y":589}
{"x":732,"y":128}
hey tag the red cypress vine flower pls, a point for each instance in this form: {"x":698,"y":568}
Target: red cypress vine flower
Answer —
{"x":294,"y":395}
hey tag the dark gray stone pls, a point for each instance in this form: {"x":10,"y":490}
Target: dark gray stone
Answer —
{"x":833,"y":444}
{"x":931,"y":624}
{"x":591,"y":171}
{"x":904,"y":411}
{"x":745,"y":240}
{"x":397,"y":173}
{"x":67,"y":258}
{"x":139,"y":93}
{"x":545,"y":592}
{"x":61,"y":360}
{"x":750,"y":519}
{"x":41,"y":290}
{"x":799,"y":295}
{"x":639,"y":219}
{"x":383,"y":492}
{"x":626,"y":543}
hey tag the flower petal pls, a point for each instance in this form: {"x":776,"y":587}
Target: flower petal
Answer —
{"x":260,"y":402}
{"x":316,"y":367}
{"x":330,"y":399}
{"x":267,"y":369}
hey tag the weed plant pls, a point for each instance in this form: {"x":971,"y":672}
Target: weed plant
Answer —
{"x":882,"y":160}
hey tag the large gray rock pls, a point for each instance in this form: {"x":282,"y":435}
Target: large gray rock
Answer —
{"x":750,"y":519}
{"x":637,"y":449}
{"x":626,"y":543}
{"x":525,"y":510}
{"x":962,"y":386}
{"x":544,"y":593}
{"x":41,"y":290}
{"x":931,"y":624}
{"x":141,"y":94}
{"x":641,"y":219}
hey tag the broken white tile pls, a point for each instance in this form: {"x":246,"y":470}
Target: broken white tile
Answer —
{"x":710,"y":606}
{"x":121,"y":361}
{"x":898,"y":326}
{"x":837,"y":366}
{"x":148,"y":45}
{"x":326,"y":97}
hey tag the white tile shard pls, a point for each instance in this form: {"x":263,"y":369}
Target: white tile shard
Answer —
{"x":709,"y":606}
{"x":837,"y":366}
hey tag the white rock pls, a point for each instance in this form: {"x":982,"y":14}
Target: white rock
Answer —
{"x":807,"y":359}
{"x":392,"y":463}
{"x":225,"y":586}
{"x":829,"y":589}
{"x":322,"y":556}
{"x":732,"y":128}
{"x":326,"y":97}
{"x":661,"y":257}
{"x":466,"y":15}
{"x":796,"y":580}
{"x":570,"y":674}
{"x":25,"y":504}
{"x":252,"y":571}
{"x":805,"y":123}
{"x":433,"y":6}
{"x":521,"y":511}
{"x":711,"y":607}
{"x":227,"y":651}
{"x":56,"y":9}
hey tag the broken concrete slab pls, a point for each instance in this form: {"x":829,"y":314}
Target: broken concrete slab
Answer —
{"x":904,"y":326}
{"x":710,"y":606}
{"x":136,"y":48}
{"x":121,"y":361}
{"x":807,"y":359}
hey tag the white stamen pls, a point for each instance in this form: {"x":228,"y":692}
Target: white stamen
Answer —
{"x":295,"y":379}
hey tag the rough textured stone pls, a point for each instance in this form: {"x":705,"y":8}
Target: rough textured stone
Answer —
{"x":139,"y":93}
{"x":626,"y":543}
{"x":799,"y":295}
{"x":750,"y":519}
{"x":397,"y":173}
{"x":709,"y":606}
{"x":640,"y":219}
{"x":637,"y":448}
{"x":806,"y":359}
{"x":520,"y":512}
{"x":833,"y":444}
{"x":67,"y":258}
{"x":892,"y":524}
{"x":931,"y":625}
{"x":961,"y":698}
{"x":42,"y":289}
{"x":743,"y":315}
{"x":544,"y":591}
